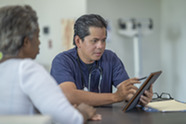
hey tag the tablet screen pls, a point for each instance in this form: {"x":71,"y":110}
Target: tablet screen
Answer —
{"x":146,"y":84}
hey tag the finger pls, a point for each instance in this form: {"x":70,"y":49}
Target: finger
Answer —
{"x":134,"y":78}
{"x":132,"y":82}
{"x":129,"y":82}
{"x":145,"y":100}
{"x":151,"y":89}
{"x":132,"y":92}
{"x":96,"y":117}
{"x":131,"y":87}
{"x":148,"y":94}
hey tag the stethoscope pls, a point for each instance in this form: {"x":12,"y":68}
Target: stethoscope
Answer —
{"x":90,"y":74}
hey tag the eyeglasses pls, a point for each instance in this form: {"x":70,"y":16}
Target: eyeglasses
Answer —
{"x":162,"y":96}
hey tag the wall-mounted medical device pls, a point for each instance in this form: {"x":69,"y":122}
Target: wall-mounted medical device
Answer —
{"x":136,"y":28}
{"x":133,"y":26}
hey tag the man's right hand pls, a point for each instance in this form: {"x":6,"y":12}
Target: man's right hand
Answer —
{"x":126,"y":89}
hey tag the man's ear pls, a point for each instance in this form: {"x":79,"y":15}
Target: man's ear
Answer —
{"x":77,"y":41}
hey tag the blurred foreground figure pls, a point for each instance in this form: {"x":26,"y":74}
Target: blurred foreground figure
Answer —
{"x":25,"y":85}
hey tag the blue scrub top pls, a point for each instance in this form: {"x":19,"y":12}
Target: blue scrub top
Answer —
{"x":65,"y":67}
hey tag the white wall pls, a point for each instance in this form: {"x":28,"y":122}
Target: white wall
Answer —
{"x":50,"y":13}
{"x":173,"y":45}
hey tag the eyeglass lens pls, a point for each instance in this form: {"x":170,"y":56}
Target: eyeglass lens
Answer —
{"x":162,"y":96}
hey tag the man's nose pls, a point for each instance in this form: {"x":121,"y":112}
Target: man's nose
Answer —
{"x":100,"y":44}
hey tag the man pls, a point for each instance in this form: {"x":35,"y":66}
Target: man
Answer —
{"x":87,"y":72}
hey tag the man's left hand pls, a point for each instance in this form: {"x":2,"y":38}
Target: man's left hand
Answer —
{"x":146,"y":97}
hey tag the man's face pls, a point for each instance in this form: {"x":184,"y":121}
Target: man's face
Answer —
{"x":93,"y":46}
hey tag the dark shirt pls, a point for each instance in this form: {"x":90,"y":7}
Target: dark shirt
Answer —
{"x":65,"y":67}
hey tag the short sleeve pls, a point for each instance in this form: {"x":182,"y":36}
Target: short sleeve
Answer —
{"x":62,"y":69}
{"x":119,"y":72}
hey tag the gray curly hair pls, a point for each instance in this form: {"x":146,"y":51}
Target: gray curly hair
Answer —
{"x":16,"y":23}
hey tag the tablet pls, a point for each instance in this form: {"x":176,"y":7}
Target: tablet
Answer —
{"x":146,"y":84}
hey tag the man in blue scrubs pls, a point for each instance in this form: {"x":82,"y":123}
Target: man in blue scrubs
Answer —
{"x":87,"y":72}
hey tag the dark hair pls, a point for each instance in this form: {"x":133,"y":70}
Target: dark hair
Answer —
{"x":82,"y":24}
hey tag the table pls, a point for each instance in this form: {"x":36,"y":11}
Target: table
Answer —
{"x":113,"y":114}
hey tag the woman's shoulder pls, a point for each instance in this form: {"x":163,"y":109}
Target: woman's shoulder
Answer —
{"x":30,"y":63}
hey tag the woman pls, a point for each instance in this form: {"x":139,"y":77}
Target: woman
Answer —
{"x":25,"y":85}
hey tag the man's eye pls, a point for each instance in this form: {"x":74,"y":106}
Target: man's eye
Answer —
{"x":95,"y":40}
{"x":103,"y":40}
